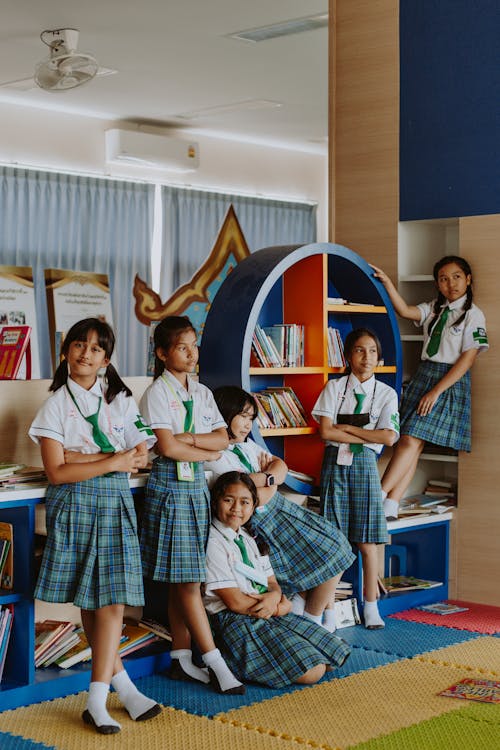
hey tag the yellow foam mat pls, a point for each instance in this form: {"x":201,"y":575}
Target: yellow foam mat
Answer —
{"x":357,"y":708}
{"x":480,"y":655}
{"x":58,"y":724}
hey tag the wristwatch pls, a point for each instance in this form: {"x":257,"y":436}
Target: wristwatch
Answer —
{"x":270,"y":479}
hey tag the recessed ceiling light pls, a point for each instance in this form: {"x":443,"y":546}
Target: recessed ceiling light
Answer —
{"x":220,"y":109}
{"x":284,"y":28}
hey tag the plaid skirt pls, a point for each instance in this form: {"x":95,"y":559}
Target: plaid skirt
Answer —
{"x":175,"y":524}
{"x":277,"y":651}
{"x":449,"y":422}
{"x":351,"y":496}
{"x":304,"y":548}
{"x":92,"y":555}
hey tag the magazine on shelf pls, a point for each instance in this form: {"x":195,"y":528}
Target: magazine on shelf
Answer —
{"x":7,"y":534}
{"x":15,"y":351}
{"x":346,"y":613}
{"x":6,"y":618}
{"x":396,"y":584}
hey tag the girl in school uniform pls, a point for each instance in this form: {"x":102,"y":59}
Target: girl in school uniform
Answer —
{"x":436,"y":403}
{"x":307,"y":553}
{"x":176,"y":519}
{"x":259,"y":636}
{"x":357,"y":416}
{"x":91,"y":437}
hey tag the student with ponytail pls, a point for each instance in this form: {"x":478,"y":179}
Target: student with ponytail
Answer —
{"x":436,"y":403}
{"x":91,"y":437}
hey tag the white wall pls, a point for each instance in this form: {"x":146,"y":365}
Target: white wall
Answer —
{"x":69,"y":142}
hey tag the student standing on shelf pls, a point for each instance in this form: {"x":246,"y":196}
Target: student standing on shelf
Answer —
{"x":436,"y":403}
{"x":262,"y":640}
{"x":357,"y":416}
{"x":308,"y":554}
{"x":176,"y":519}
{"x":91,"y":437}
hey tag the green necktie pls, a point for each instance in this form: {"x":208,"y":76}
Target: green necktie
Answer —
{"x":188,"y":418}
{"x":360,"y":397}
{"x":435,"y":339}
{"x":243,"y":459}
{"x":240,"y":542}
{"x":98,"y":436}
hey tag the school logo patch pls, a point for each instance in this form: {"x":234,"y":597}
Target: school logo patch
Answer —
{"x":480,"y":336}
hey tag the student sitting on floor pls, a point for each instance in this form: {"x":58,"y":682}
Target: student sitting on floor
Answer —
{"x":260,"y":638}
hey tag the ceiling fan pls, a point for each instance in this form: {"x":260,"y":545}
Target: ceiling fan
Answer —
{"x":65,"y":68}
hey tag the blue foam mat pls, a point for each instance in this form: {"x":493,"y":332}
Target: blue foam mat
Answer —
{"x":12,"y":742}
{"x":405,"y":639}
{"x":202,"y":701}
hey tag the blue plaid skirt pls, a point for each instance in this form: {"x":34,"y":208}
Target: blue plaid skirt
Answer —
{"x":449,"y":422}
{"x":277,"y":651}
{"x":175,"y":524}
{"x":351,"y":496}
{"x":304,"y":548}
{"x":92,"y":555}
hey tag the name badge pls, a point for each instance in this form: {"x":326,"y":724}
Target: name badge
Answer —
{"x":251,"y":573}
{"x":344,"y":455}
{"x":185,"y":471}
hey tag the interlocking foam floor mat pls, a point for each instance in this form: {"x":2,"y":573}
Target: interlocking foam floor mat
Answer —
{"x":479,"y":618}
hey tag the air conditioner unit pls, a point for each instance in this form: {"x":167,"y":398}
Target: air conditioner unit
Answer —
{"x":149,"y":150}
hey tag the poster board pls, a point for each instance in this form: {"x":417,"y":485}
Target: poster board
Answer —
{"x":72,"y":296}
{"x":17,"y":307}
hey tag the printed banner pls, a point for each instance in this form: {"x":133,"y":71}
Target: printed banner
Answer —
{"x":72,"y":296}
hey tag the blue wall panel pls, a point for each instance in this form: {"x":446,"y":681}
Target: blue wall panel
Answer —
{"x":450,"y":108}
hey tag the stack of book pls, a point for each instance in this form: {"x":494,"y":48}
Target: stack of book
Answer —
{"x":279,"y":345}
{"x":343,"y":591}
{"x":279,"y":407}
{"x":438,"y":497}
{"x":12,"y":475}
{"x":335,"y":349}
{"x":53,"y":639}
{"x":133,"y":637}
{"x":441,"y":490}
{"x":6,"y":616}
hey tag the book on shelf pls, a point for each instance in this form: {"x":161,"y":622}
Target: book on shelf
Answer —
{"x":7,"y":572}
{"x":396,"y":584}
{"x":279,"y":345}
{"x":80,"y":652}
{"x":485,"y":691}
{"x":14,"y":348}
{"x":279,"y":407}
{"x":301,"y":476}
{"x":22,"y":475}
{"x":59,"y":649}
{"x":443,"y":608}
{"x":335,"y":348}
{"x":47,"y":634}
{"x":346,"y":613}
{"x":8,"y":469}
{"x":344,"y":590}
{"x":6,"y":618}
{"x":155,"y":627}
{"x":135,"y":637}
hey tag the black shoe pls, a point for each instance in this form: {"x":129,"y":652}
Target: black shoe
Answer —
{"x":214,"y":681}
{"x":150,"y":713}
{"x":176,"y":672}
{"x":101,"y":728}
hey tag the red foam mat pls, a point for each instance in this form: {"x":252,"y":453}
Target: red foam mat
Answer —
{"x":479,"y":618}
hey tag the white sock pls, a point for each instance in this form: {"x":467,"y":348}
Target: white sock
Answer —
{"x":214,"y":660}
{"x":372,"y":616}
{"x":185,"y":658}
{"x":298,"y":604}
{"x":384,"y":494}
{"x":134,"y":701}
{"x":96,"y":705}
{"x":318,"y":619}
{"x":329,"y":620}
{"x":391,"y":508}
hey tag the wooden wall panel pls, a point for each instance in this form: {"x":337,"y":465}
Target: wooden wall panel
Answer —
{"x":478,"y":527}
{"x":363,"y":130}
{"x":19,"y":402}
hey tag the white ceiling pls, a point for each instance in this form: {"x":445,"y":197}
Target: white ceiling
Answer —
{"x":175,"y":57}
